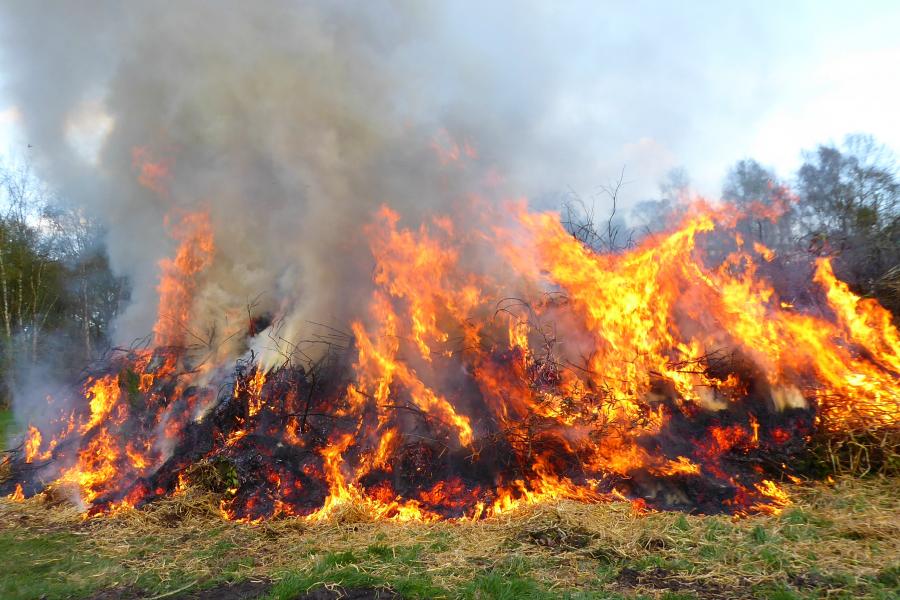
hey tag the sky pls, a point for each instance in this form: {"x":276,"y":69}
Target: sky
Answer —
{"x":650,"y":86}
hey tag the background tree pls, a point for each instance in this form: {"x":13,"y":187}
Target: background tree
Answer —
{"x":748,"y":185}
{"x":656,"y":214}
{"x":57,"y":293}
{"x":848,"y":207}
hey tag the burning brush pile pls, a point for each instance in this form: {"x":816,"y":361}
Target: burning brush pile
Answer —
{"x":661,"y":374}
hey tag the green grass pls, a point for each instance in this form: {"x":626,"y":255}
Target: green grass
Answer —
{"x":48,"y":566}
{"x":841,"y":542}
{"x":7,"y":426}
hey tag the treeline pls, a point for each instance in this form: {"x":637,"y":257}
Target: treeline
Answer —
{"x":843,"y":202}
{"x":57,"y":293}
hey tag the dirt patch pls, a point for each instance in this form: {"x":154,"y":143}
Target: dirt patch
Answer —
{"x":242,"y":590}
{"x":339,"y":593}
{"x":659,"y":578}
{"x":558,"y":537}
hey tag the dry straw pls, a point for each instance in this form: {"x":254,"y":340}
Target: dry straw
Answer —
{"x":847,"y":531}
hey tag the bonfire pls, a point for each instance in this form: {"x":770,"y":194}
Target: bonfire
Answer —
{"x":668,"y":374}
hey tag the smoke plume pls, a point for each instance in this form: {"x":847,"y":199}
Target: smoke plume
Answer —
{"x":289,"y":123}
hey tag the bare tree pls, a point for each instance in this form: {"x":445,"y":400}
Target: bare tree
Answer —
{"x":849,"y":200}
{"x":580,"y":220}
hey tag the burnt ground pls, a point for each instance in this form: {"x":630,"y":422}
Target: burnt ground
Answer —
{"x":250,"y":590}
{"x":349,"y":594}
{"x":658,"y":578}
{"x":242,"y":590}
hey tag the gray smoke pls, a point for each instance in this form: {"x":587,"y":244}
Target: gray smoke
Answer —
{"x":291,"y":122}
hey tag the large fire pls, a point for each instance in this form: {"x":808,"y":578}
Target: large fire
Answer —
{"x":492,"y":365}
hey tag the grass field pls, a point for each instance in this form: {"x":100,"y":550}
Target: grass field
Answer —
{"x":840,"y":540}
{"x":7,"y":425}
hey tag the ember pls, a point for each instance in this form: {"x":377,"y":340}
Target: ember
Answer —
{"x":654,"y":374}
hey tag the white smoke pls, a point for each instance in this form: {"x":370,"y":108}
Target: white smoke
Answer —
{"x":291,"y":122}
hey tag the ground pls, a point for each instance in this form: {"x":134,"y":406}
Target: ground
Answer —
{"x":839,"y":539}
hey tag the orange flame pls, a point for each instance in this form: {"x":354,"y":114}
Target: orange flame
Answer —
{"x":18,"y":495}
{"x":152,"y":173}
{"x":178,"y":283}
{"x":580,"y":385}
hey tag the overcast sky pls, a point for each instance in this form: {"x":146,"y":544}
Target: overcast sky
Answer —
{"x":655,"y":85}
